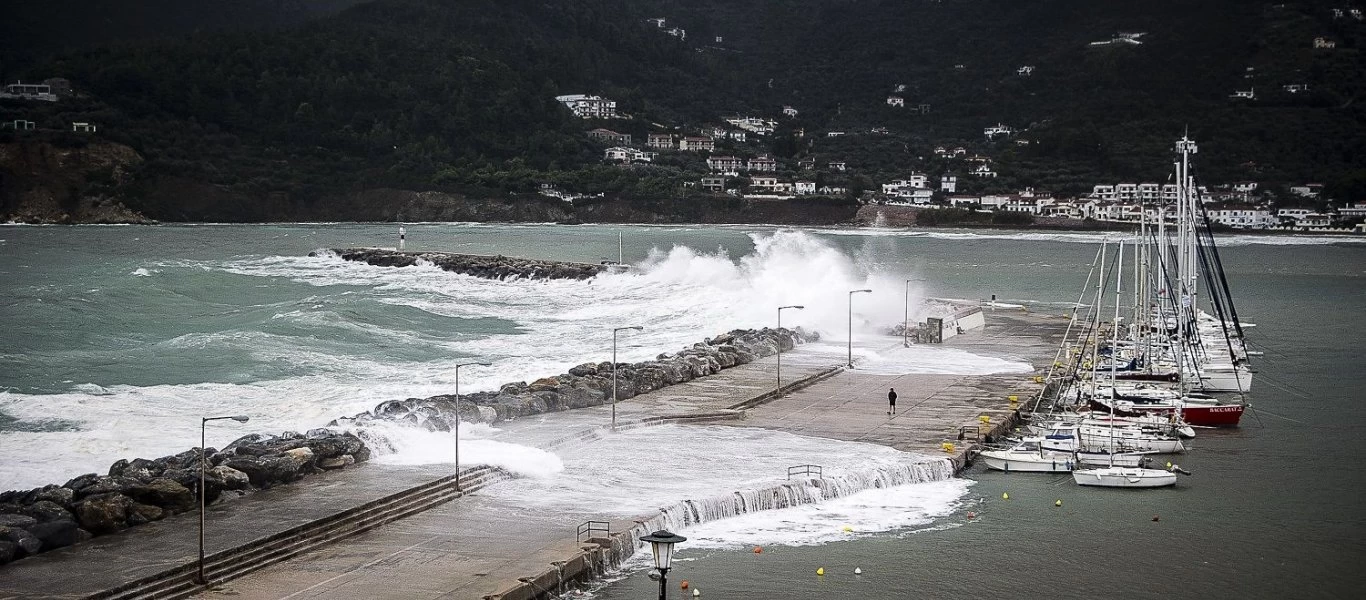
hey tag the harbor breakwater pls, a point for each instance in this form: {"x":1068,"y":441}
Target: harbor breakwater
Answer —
{"x":142,"y":491}
{"x":488,"y":267}
{"x":139,"y":491}
{"x":589,"y":384}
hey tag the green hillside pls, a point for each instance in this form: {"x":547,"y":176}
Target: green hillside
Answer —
{"x":458,"y":96}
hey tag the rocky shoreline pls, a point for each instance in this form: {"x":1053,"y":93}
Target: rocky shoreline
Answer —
{"x":142,"y":491}
{"x":139,"y":491}
{"x":589,"y":384}
{"x":488,"y":267}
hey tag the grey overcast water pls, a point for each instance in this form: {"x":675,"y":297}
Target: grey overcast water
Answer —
{"x":116,"y":339}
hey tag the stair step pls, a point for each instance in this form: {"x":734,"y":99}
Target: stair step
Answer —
{"x":229,"y":564}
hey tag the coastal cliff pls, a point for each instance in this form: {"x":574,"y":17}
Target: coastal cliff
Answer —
{"x":44,"y":183}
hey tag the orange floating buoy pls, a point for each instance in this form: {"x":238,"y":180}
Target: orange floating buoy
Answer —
{"x":758,"y":550}
{"x":972,"y":515}
{"x":683,"y":584}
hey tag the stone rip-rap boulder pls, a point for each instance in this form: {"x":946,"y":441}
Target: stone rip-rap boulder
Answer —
{"x":139,"y":491}
{"x":588,"y":384}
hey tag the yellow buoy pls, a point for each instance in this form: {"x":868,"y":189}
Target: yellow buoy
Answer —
{"x":1058,"y":503}
{"x":1169,"y":465}
{"x":984,"y":419}
{"x":947,"y":446}
{"x":821,"y":571}
{"x":1013,"y":398}
{"x":1005,"y":495}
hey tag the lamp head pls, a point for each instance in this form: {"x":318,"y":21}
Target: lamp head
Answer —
{"x":662,"y":543}
{"x":240,"y":418}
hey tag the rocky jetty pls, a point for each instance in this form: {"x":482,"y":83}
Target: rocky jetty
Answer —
{"x":589,"y":384}
{"x":488,"y":267}
{"x":141,"y":491}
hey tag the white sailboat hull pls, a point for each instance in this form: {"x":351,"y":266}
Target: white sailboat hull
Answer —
{"x":1124,"y":477}
{"x":1027,"y":462}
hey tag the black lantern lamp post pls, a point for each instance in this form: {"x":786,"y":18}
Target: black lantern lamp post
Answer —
{"x":662,"y":543}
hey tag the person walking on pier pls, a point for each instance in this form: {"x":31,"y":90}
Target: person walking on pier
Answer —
{"x":891,"y":401}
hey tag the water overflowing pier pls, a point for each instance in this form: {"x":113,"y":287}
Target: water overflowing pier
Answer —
{"x":490,"y":545}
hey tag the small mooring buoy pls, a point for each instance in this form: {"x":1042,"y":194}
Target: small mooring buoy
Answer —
{"x":820,"y":572}
{"x":1058,"y":502}
{"x":858,"y":571}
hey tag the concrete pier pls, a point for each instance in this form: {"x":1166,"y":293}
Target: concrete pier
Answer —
{"x":480,"y":547}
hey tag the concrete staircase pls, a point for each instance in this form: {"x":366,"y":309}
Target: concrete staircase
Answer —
{"x":225,"y":565}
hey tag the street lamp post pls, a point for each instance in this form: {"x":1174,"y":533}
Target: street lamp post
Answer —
{"x":203,"y":465}
{"x":614,"y":370}
{"x":851,"y":324}
{"x":662,"y":544}
{"x":780,"y":342}
{"x":906,"y":326}
{"x":456,"y":427}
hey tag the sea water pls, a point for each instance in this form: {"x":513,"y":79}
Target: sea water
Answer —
{"x":118,"y":338}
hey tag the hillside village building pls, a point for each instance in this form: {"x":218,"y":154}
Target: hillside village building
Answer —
{"x":29,"y":91}
{"x":1242,"y":216}
{"x":623,"y":154}
{"x":730,"y":165}
{"x":610,"y":137}
{"x":589,"y":107}
{"x":663,"y":141}
{"x":696,"y":144}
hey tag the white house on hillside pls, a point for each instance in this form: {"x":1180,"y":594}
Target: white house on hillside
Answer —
{"x":983,"y":170}
{"x":1242,"y":216}
{"x":948,"y":184}
{"x":589,"y":107}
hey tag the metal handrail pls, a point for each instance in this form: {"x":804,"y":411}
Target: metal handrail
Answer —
{"x":588,"y":527}
{"x":805,"y":470}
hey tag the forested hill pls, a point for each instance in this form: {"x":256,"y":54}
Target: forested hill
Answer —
{"x":31,"y":30}
{"x":458,"y":95}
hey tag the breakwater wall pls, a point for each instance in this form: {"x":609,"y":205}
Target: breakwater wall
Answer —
{"x":607,"y":551}
{"x":142,"y":491}
{"x":488,"y":267}
{"x":589,"y":384}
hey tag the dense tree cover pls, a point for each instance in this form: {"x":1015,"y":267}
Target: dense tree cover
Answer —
{"x":459,"y":95}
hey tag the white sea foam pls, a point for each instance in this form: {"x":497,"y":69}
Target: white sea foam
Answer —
{"x":403,"y":446}
{"x":610,"y":477}
{"x":870,"y":512}
{"x":339,"y":354}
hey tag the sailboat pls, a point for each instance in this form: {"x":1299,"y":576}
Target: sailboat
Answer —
{"x":1028,"y":456}
{"x":1112,"y":475}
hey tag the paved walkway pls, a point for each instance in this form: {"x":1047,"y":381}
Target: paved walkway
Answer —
{"x":481,"y":545}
